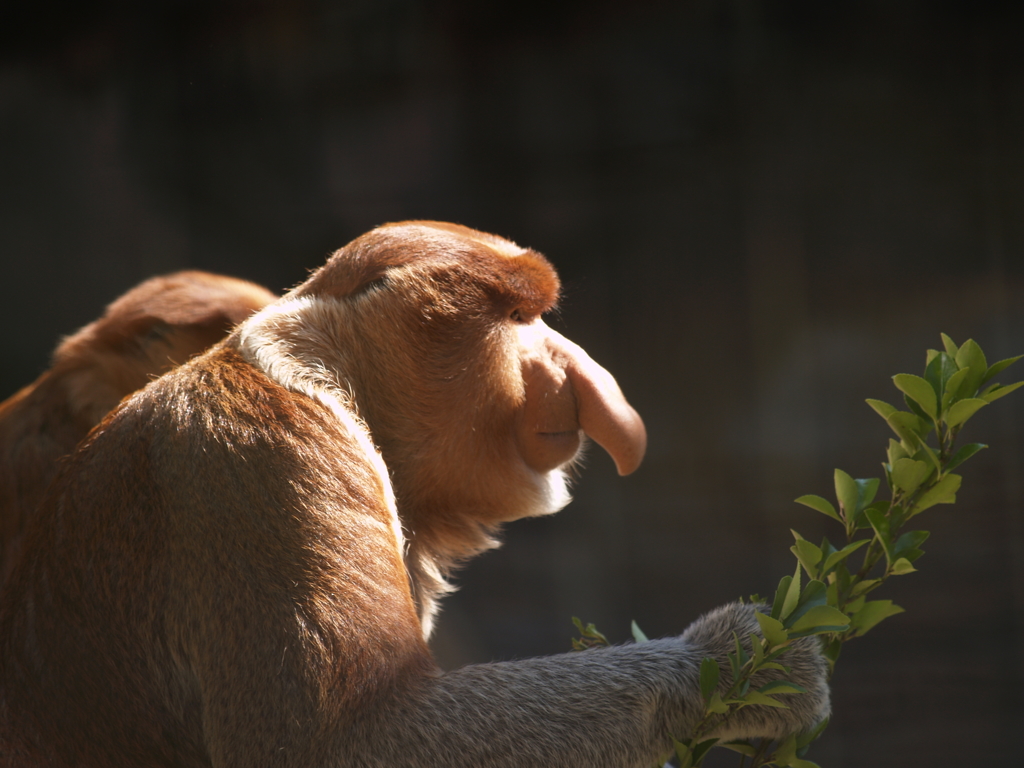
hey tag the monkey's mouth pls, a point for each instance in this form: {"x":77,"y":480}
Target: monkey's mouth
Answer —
{"x":568,"y":434}
{"x":560,"y":447}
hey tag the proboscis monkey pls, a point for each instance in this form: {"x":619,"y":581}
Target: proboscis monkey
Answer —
{"x":158,"y":324}
{"x":240,"y":565}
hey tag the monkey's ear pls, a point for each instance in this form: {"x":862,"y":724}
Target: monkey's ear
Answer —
{"x":565,"y":392}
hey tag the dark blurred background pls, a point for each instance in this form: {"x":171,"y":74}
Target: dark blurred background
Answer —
{"x":761,"y":210}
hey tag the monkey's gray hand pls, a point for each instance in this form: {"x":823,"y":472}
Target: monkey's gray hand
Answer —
{"x":713,"y":633}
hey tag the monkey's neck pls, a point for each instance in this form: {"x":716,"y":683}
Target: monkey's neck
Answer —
{"x":434,"y":552}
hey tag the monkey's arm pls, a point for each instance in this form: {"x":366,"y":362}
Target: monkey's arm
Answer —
{"x":612,"y":707}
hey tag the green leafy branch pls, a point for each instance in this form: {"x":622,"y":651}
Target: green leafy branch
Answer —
{"x":955,"y":386}
{"x":833,"y":604}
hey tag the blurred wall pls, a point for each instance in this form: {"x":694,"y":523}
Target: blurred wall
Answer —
{"x":760,"y":210}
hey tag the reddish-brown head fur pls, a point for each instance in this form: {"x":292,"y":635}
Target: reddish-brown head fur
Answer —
{"x":512,"y":277}
{"x":434,"y":330}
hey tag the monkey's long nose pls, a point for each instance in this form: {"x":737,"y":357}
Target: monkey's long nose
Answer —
{"x":566,"y":391}
{"x":603,"y":411}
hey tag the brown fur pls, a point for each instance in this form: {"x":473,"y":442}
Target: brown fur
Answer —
{"x":155,"y":326}
{"x":229,"y":573}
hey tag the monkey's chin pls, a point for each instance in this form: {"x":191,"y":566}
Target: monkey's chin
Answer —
{"x":554,"y":493}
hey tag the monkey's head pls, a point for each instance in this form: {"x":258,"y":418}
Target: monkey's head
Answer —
{"x":435,"y":332}
{"x":151,"y":329}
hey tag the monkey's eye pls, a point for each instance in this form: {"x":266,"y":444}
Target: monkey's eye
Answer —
{"x":374,"y":284}
{"x":517,"y":316}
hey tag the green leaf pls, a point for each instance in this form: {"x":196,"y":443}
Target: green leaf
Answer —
{"x":716,"y":705}
{"x":943,"y":492}
{"x":638,"y":634}
{"x":757,"y":647}
{"x":785,"y":753}
{"x":925,"y":452}
{"x":840,"y":578}
{"x":741,"y":655}
{"x":756,"y":697}
{"x":772,"y":629}
{"x":908,"y":474}
{"x":940,"y":369}
{"x":882,"y":408}
{"x":821,"y":629}
{"x":901,"y":567}
{"x":827,"y":550}
{"x":780,"y":596}
{"x":820,"y":504}
{"x":953,"y":388}
{"x":964,"y":454}
{"x":837,"y":557}
{"x":951,"y":348}
{"x":962,"y":410}
{"x":709,"y":675}
{"x":854,"y":495}
{"x":918,"y":390}
{"x":812,"y":596}
{"x":867,"y":489}
{"x":862,"y":587}
{"x":996,"y":368}
{"x":809,"y":556}
{"x":699,"y":750}
{"x":996,"y":391}
{"x":880,"y":523}
{"x":971,"y":356}
{"x":684,"y":753}
{"x":909,"y":427}
{"x":847,"y":493}
{"x":916,"y":409}
{"x":880,"y":506}
{"x":896,"y":452}
{"x":908,"y":545}
{"x":871,"y":614}
{"x":589,"y":636}
{"x":792,"y":600}
{"x":743,"y":747}
{"x":821,"y":616}
{"x":781,"y":686}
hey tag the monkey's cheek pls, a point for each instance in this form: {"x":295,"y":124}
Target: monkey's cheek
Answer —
{"x":545,"y":451}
